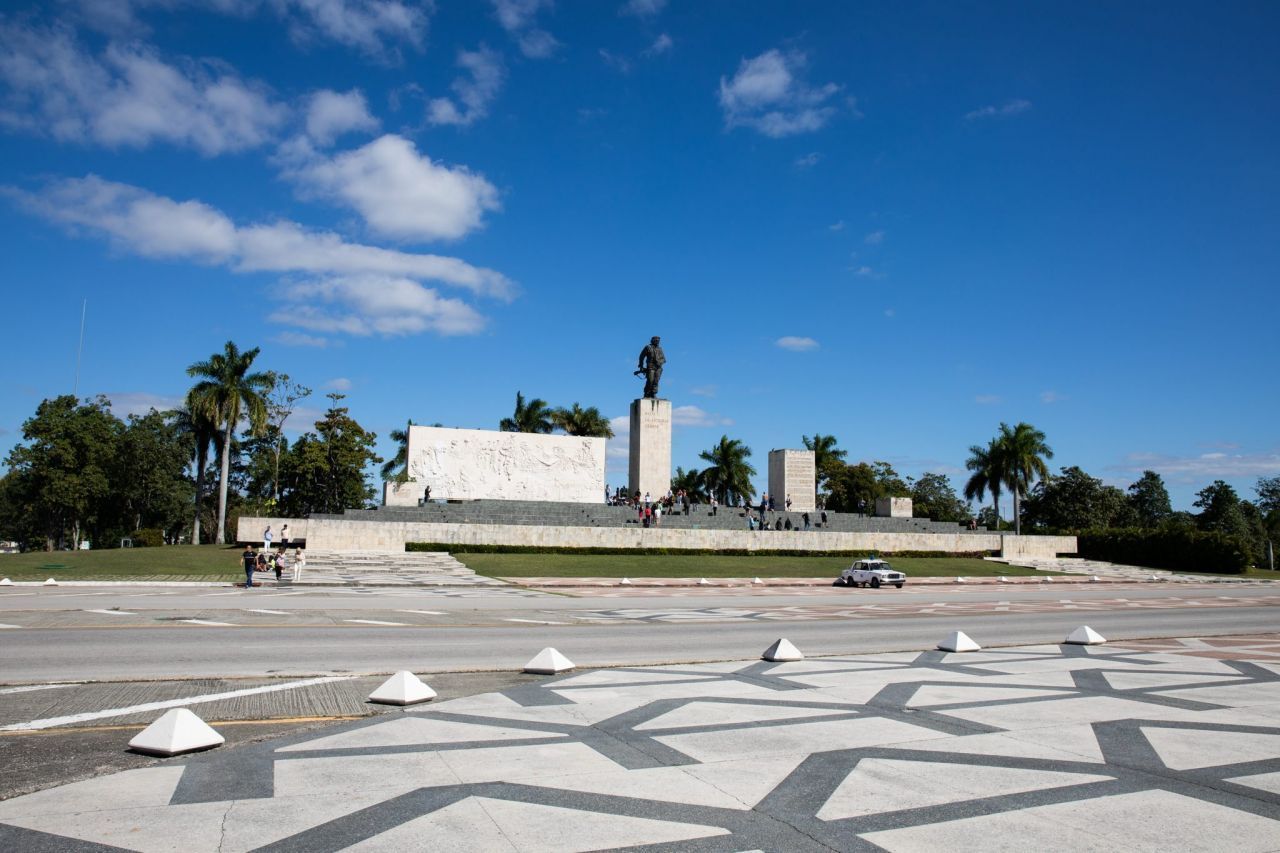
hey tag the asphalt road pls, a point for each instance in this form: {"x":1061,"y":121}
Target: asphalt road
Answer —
{"x":41,"y":655}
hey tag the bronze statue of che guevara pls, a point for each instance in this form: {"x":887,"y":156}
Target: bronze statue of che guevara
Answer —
{"x":651,"y":361}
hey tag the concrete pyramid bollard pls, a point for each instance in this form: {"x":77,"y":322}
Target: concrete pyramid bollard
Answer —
{"x":757,"y":581}
{"x":50,"y":582}
{"x":704,"y":582}
{"x":782,"y":651}
{"x":1002,"y":579}
{"x":1095,"y":579}
{"x":1046,"y":580}
{"x":403,"y":688}
{"x":6,"y":582}
{"x":962,"y":580}
{"x":625,"y":582}
{"x":958,"y":641}
{"x":176,"y":732}
{"x":1085,"y":636}
{"x":548,"y":662}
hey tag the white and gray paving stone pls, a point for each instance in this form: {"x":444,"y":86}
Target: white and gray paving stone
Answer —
{"x":1141,"y":745}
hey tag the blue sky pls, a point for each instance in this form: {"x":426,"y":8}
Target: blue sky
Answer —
{"x":900,"y":224}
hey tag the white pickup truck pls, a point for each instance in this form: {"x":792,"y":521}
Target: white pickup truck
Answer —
{"x":872,"y":572}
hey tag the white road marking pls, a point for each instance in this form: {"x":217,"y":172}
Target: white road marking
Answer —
{"x":2,"y":625}
{"x":373,"y":622}
{"x":19,"y":594}
{"x":27,"y":688}
{"x":237,"y":592}
{"x":112,"y":612}
{"x":52,"y":722}
{"x":207,"y":622}
{"x":425,"y":612}
{"x":271,"y":612}
{"x":536,"y":621}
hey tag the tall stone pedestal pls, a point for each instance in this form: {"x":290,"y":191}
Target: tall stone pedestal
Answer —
{"x":649,"y":469}
{"x":793,"y":474}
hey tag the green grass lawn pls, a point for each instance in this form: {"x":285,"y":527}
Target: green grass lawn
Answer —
{"x":621,"y":565}
{"x":171,"y":562}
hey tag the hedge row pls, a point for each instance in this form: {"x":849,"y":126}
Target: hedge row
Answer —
{"x":673,"y":552}
{"x":1176,"y":550}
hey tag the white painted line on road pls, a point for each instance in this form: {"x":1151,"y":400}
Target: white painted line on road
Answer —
{"x":51,"y":722}
{"x":373,"y":622}
{"x":27,"y":688}
{"x":425,"y":612}
{"x":536,"y":621}
{"x":112,"y":612}
{"x":271,"y":612}
{"x":9,"y":626}
{"x":19,"y":594}
{"x":207,"y":622}
{"x":236,"y":592}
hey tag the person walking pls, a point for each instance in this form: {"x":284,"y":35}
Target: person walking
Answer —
{"x":250,"y":563}
{"x":657,"y":515}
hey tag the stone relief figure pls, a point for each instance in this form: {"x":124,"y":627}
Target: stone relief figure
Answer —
{"x":650,"y":366}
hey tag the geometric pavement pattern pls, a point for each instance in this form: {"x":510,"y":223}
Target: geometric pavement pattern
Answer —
{"x":1135,"y":746}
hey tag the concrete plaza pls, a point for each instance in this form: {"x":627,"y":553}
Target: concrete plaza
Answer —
{"x":1140,"y":745}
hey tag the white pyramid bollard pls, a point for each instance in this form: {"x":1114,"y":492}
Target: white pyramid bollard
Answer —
{"x":958,"y":641}
{"x":1095,"y":579}
{"x":781,"y":651}
{"x":704,"y":582}
{"x":625,"y":582}
{"x":1155,"y":577}
{"x":176,"y":732}
{"x":6,"y":582}
{"x":403,"y":688}
{"x":962,"y":580}
{"x":50,"y":582}
{"x":1085,"y":636}
{"x":548,"y":662}
{"x":757,"y":581}
{"x":1046,"y":580}
{"x":1002,"y":579}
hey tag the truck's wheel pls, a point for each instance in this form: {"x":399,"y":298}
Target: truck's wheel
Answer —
{"x":898,"y":585}
{"x":875,"y":583}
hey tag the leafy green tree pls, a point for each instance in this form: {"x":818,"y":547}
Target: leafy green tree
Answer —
{"x":728,"y":474}
{"x":1150,"y":500}
{"x":855,"y":488}
{"x":63,"y":471}
{"x":932,"y":496}
{"x":828,"y":459}
{"x":988,"y":467}
{"x":149,"y":484}
{"x":226,"y":392}
{"x":17,"y":522}
{"x":534,"y":416}
{"x":281,"y":401}
{"x":579,"y":421}
{"x":1024,"y":452}
{"x":1073,"y":500}
{"x":692,"y":483}
{"x":1268,"y":489}
{"x":1219,"y":507}
{"x":324,"y":471}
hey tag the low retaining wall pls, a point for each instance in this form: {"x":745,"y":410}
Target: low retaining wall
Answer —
{"x":340,"y":535}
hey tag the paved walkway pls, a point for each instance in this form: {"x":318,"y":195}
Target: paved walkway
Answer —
{"x":1136,"y":746}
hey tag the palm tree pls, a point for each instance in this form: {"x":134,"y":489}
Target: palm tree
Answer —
{"x":729,"y":474}
{"x":692,"y":482}
{"x":580,"y":421}
{"x":1024,"y":453}
{"x":200,"y":431}
{"x":226,"y":391}
{"x":987,"y":465}
{"x":534,"y":416}
{"x":825,"y":455}
{"x":397,"y":467}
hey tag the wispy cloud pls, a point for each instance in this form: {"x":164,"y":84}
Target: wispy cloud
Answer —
{"x":482,"y":77}
{"x":298,"y":339}
{"x":704,"y":390}
{"x":339,"y":383}
{"x":1203,"y":467}
{"x":331,"y":114}
{"x":695,"y":416}
{"x":836,"y":226}
{"x":662,"y":44}
{"x":125,"y":403}
{"x":875,"y":238}
{"x":767,"y":95}
{"x":1008,"y":108}
{"x":796,"y":344}
{"x":519,"y":19}
{"x":1050,"y":397}
{"x":642,"y":8}
{"x":987,"y":399}
{"x":808,"y":161}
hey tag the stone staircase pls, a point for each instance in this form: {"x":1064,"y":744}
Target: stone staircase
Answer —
{"x":554,"y":514}
{"x":1081,"y":566}
{"x":386,"y":568}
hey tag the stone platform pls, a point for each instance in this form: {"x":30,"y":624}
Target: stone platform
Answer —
{"x":387,"y":568}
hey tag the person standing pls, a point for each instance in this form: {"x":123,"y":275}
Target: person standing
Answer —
{"x":657,"y":515}
{"x":805,"y":517}
{"x":250,"y":563}
{"x":714,"y":505}
{"x":267,"y":536}
{"x":284,"y":536}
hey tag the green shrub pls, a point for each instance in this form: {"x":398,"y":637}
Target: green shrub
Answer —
{"x":147,"y":537}
{"x":665,"y":552}
{"x":1178,"y":550}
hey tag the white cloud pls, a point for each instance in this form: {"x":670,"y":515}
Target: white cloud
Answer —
{"x":370,"y":26}
{"x":1206,"y":466}
{"x":1009,"y":108}
{"x":704,"y":390}
{"x":331,"y":114}
{"x":357,"y":289}
{"x":662,"y":44}
{"x":483,"y":78}
{"x":128,"y":403}
{"x":642,"y":8}
{"x":836,"y":226}
{"x":298,"y":339}
{"x":987,"y":399}
{"x":519,"y":19}
{"x":808,"y":161}
{"x":400,"y":193}
{"x":865,"y":271}
{"x":694,"y":416}
{"x":875,"y":238}
{"x":340,"y":383}
{"x":765,"y":94}
{"x":796,"y":344}
{"x":1048,"y":397}
{"x":616,"y":61}
{"x":128,"y":96}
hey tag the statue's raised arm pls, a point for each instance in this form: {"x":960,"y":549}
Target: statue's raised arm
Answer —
{"x":650,"y":366}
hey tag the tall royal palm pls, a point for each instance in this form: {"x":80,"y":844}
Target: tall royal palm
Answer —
{"x":226,"y":392}
{"x":987,"y":465}
{"x":200,"y":432}
{"x":826,"y":456}
{"x":1024,"y":452}
{"x":580,"y":421}
{"x":729,"y":474}
{"x":533,"y":416}
{"x":397,"y":467}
